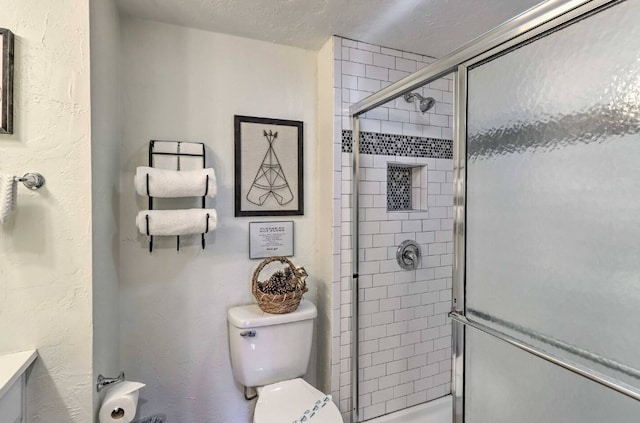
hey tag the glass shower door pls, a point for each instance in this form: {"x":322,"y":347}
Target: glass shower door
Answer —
{"x":553,"y":223}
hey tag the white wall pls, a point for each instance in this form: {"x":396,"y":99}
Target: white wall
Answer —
{"x":106,"y":136}
{"x":45,"y":250}
{"x":185,"y":84}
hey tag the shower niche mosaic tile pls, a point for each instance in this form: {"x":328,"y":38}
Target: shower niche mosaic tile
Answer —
{"x":398,"y":188}
{"x":406,"y":187}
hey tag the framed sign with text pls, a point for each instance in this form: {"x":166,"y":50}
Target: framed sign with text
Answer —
{"x":267,"y":239}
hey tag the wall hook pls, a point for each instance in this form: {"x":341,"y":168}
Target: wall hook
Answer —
{"x":32,"y":180}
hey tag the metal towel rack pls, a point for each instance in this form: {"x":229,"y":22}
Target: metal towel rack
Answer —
{"x":567,"y":364}
{"x":178,"y":154}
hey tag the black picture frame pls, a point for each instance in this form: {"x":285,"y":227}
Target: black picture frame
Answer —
{"x":6,"y":78}
{"x":256,"y":198}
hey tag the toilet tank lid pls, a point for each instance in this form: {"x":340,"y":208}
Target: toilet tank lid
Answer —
{"x":250,"y":316}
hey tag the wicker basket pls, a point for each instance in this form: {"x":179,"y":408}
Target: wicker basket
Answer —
{"x":280,"y":303}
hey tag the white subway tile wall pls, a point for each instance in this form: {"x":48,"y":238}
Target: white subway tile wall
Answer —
{"x":405,"y":335}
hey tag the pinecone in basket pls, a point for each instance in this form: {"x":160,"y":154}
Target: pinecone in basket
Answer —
{"x":281,"y":282}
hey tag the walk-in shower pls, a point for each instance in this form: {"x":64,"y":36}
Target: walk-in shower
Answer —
{"x":405,"y":216}
{"x":544,"y":227}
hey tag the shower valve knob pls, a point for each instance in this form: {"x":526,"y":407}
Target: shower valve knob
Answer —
{"x":408,"y":255}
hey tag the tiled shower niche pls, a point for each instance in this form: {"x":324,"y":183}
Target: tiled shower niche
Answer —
{"x":406,"y":187}
{"x":398,"y":187}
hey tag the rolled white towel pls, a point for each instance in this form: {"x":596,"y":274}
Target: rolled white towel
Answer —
{"x":8,"y":194}
{"x":176,"y":222}
{"x":166,"y":183}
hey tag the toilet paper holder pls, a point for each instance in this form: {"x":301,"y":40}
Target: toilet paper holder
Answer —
{"x":103,"y":382}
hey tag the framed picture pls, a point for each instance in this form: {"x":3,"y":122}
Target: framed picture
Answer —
{"x":6,"y":81}
{"x":267,"y":239}
{"x":268,"y":167}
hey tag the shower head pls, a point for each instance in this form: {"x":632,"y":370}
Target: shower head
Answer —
{"x":426,"y":103}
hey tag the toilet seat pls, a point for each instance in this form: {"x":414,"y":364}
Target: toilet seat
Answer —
{"x":287,"y":402}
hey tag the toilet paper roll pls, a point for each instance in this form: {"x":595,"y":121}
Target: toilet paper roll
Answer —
{"x":120,"y":403}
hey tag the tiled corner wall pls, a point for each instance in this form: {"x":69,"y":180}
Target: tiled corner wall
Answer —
{"x":365,"y":69}
{"x":405,"y":335}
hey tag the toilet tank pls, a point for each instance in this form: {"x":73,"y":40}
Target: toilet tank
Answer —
{"x":267,"y":348}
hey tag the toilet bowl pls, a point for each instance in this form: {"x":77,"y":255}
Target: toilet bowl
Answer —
{"x":270,"y":352}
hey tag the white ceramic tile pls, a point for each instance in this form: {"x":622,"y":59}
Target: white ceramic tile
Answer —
{"x":374,"y":411}
{"x":380,"y":113}
{"x":396,"y":404}
{"x":397,"y":115}
{"x":391,"y":52}
{"x":382,"y":395}
{"x":360,"y":56}
{"x":369,"y":47}
{"x":377,"y":72}
{"x":406,"y":65}
{"x":384,"y":60}
{"x":370,"y":125}
{"x":352,"y":68}
{"x":438,"y":120}
{"x":412,"y":130}
{"x":440,"y":84}
{"x":432,"y":132}
{"x":349,"y":43}
{"x":350,"y":82}
{"x":412,"y":56}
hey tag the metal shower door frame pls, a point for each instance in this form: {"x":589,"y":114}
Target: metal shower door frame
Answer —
{"x":545,"y":17}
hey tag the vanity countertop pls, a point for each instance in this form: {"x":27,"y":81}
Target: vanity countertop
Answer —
{"x":12,"y":366}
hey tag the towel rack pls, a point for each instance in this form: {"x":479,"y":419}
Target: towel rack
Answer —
{"x":178,"y":154}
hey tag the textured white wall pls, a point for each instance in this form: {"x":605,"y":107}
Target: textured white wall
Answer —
{"x":185,"y":84}
{"x":106,"y":136}
{"x":45,"y":250}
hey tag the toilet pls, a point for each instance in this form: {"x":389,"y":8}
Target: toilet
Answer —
{"x":271,"y":352}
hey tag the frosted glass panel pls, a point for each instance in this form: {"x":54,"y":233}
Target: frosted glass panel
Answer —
{"x":507,"y":385}
{"x":553,"y":206}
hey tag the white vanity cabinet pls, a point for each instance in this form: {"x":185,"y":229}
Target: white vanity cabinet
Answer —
{"x":12,"y":385}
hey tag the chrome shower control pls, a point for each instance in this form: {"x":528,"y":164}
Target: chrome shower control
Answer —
{"x":248,"y":334}
{"x":408,"y":255}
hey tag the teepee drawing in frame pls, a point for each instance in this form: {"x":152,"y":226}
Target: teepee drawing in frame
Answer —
{"x":268,"y":167}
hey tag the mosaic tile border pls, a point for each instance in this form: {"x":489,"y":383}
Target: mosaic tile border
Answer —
{"x":398,"y":145}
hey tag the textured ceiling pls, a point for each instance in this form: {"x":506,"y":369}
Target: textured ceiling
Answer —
{"x":431,"y":27}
